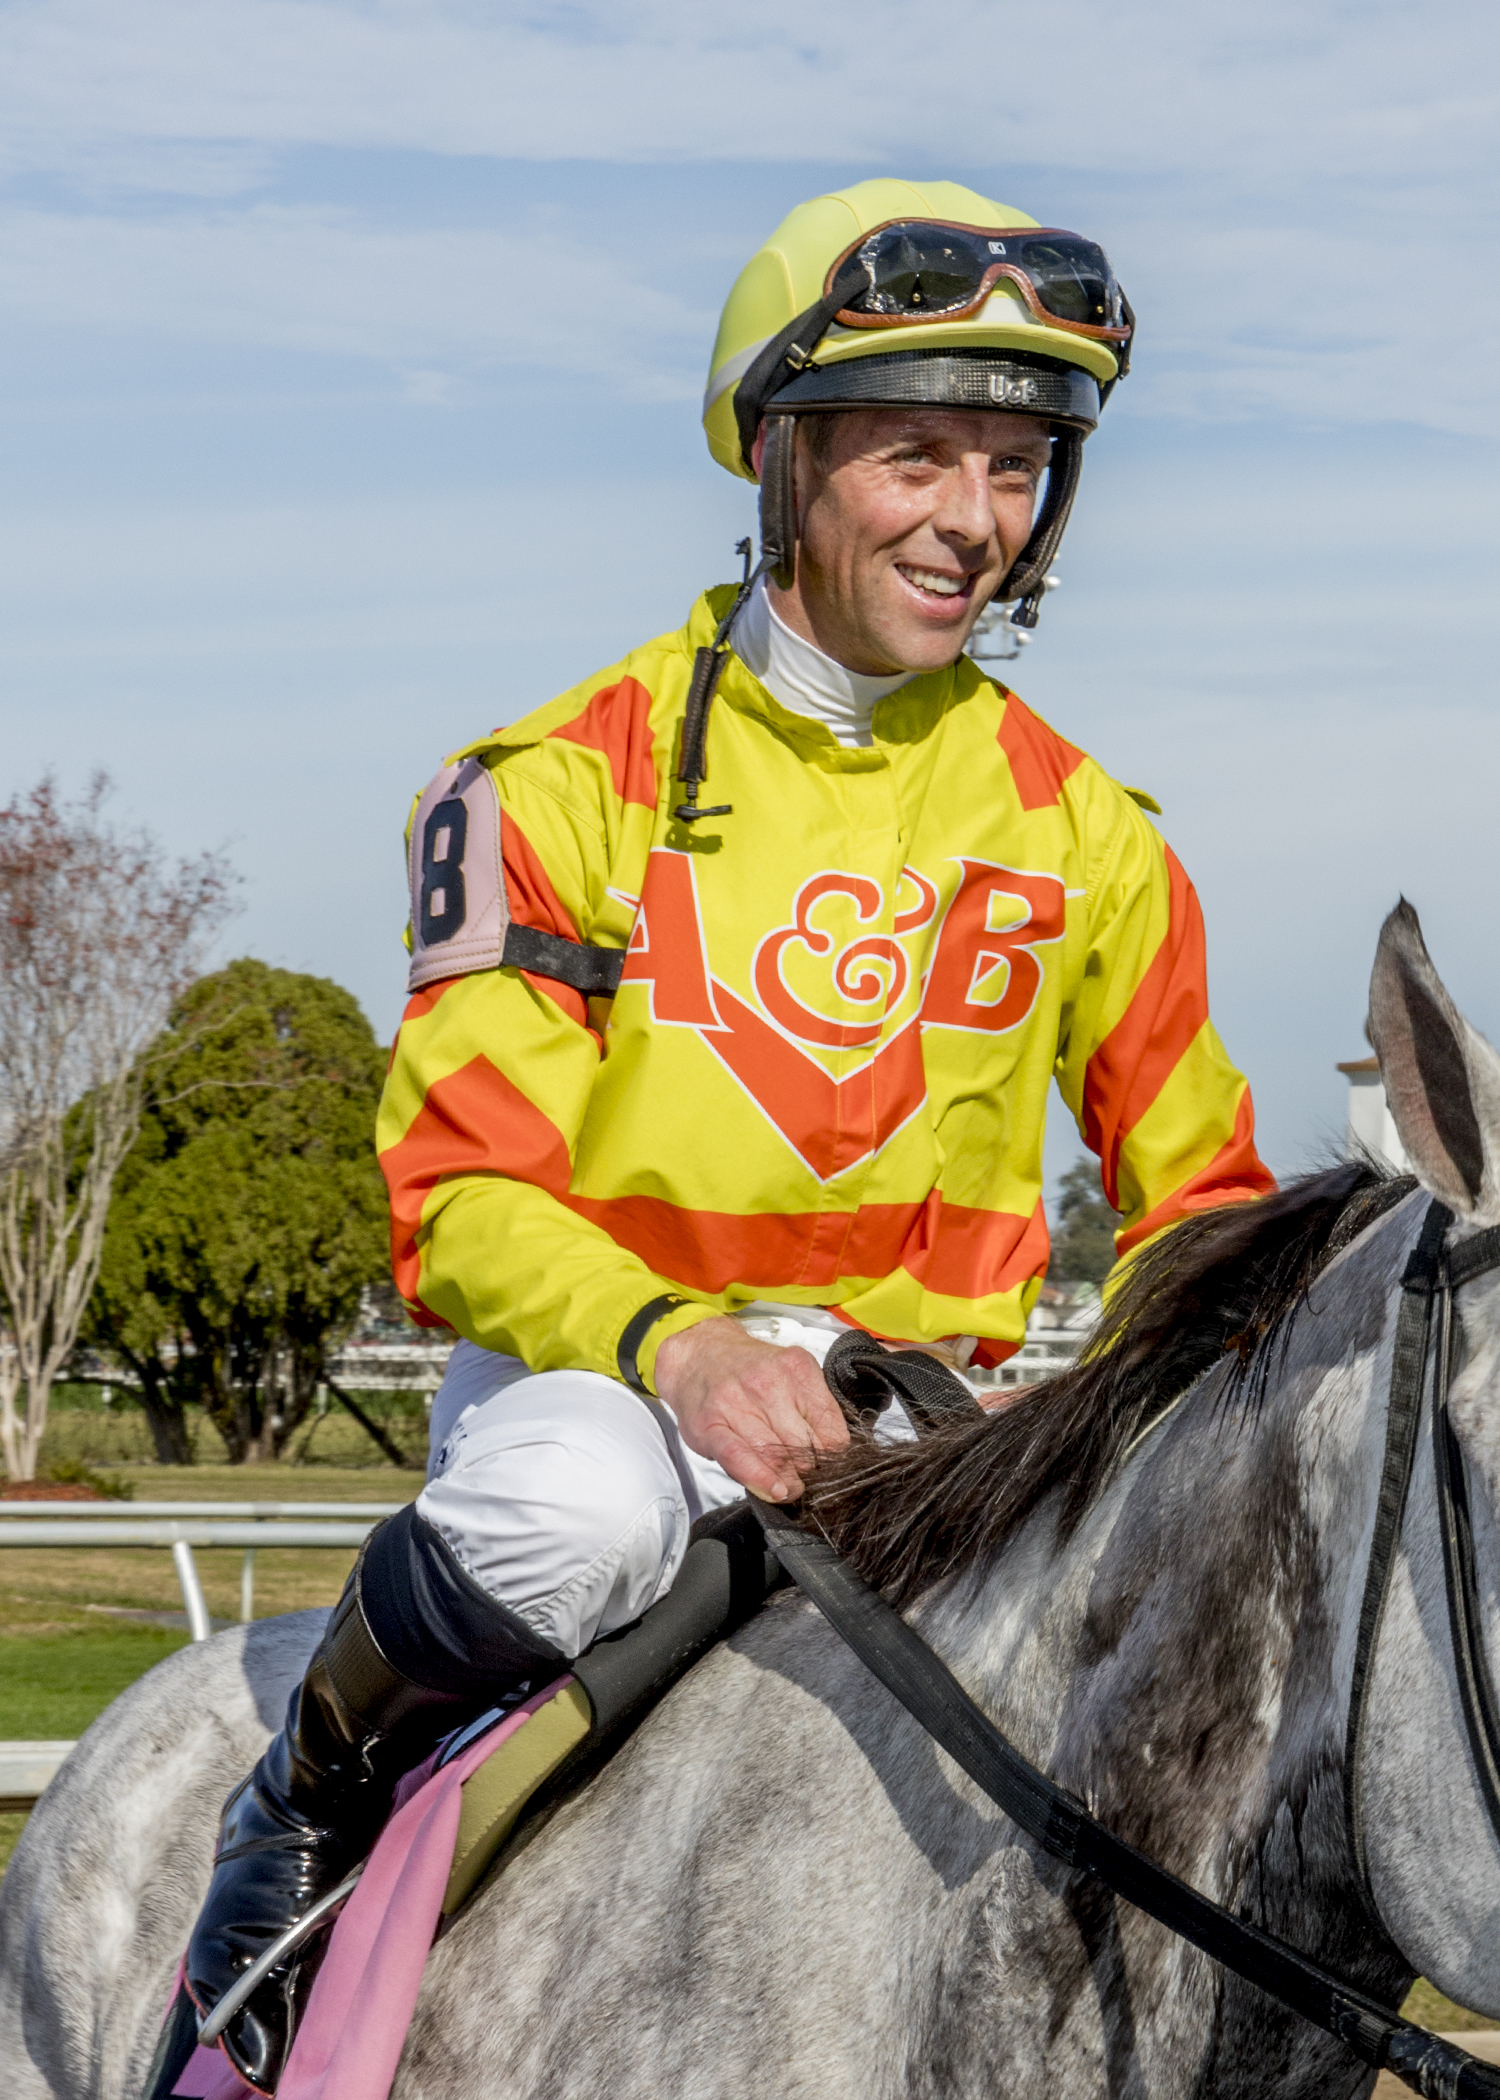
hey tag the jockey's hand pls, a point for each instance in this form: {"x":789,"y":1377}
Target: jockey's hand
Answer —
{"x":761,"y":1412}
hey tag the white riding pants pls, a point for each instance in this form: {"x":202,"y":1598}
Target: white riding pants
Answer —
{"x":568,"y":1497}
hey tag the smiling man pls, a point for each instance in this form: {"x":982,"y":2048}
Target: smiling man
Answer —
{"x":691,"y":1082}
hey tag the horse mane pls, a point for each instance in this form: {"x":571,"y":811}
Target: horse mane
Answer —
{"x":913,"y":1516}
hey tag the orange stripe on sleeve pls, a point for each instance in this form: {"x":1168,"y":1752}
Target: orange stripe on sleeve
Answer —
{"x":1235,"y":1174}
{"x":1040,"y":760}
{"x":617,"y":721}
{"x":1140,"y":1053}
{"x":528,"y":886}
{"x":422,"y":1002}
{"x":475,"y":1121}
{"x":534,"y":902}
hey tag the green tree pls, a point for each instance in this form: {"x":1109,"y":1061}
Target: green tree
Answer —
{"x":249,"y":1214}
{"x":1083,"y":1247}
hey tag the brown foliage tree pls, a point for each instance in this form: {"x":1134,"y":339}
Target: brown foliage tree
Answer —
{"x":100,"y":932}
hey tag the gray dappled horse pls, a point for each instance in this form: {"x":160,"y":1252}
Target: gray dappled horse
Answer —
{"x":782,"y":1888}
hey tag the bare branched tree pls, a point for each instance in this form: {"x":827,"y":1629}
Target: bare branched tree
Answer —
{"x":100,"y":932}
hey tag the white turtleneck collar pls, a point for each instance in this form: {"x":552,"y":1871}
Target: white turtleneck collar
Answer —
{"x":802,"y":678}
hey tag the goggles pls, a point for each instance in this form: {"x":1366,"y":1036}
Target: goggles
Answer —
{"x":924,"y":270}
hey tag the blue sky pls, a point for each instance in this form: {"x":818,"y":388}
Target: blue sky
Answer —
{"x":349,"y":367}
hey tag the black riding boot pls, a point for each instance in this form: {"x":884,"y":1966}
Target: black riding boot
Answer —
{"x":414,"y":1648}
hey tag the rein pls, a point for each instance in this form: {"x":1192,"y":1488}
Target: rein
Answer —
{"x":1062,"y":1826}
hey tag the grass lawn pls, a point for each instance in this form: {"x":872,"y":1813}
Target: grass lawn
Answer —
{"x":61,"y":1591}
{"x":53,"y":1685}
{"x":80,"y":1427}
{"x":64,"y":1652}
{"x":11,"y":1827}
{"x":1429,"y":2008}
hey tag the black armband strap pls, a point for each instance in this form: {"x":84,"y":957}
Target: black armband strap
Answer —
{"x":593,"y":971}
{"x":637,"y":1327}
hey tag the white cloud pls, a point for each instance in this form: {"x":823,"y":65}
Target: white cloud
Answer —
{"x":1362,"y":92}
{"x":315,"y":279}
{"x":1301,"y":198}
{"x":1282,"y":320}
{"x":1293,"y":646}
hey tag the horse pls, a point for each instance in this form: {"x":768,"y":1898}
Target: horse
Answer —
{"x":1149,"y":1571}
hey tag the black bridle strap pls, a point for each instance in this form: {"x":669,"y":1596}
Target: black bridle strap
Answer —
{"x":1476,"y":1689}
{"x":1472,"y":1257}
{"x":1432,"y":1275}
{"x":1403,"y":1416}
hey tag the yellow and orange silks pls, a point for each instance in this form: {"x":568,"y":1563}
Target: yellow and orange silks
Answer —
{"x":824,"y":1076}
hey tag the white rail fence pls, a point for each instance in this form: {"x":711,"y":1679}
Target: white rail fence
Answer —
{"x":178,"y":1527}
{"x":25,"y":1768}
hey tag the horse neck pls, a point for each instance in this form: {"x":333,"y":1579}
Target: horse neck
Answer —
{"x":1181,"y":1661}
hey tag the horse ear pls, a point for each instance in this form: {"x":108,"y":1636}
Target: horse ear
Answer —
{"x":1442,"y":1079}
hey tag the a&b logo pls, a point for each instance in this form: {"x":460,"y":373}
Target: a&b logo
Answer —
{"x":972,"y":966}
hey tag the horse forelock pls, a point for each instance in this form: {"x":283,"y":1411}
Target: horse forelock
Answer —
{"x":1226,"y":1282}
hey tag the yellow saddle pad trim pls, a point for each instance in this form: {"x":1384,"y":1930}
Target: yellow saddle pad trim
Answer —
{"x":492,"y":1797}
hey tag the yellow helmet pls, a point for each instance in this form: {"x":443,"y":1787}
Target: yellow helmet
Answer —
{"x":905,"y":294}
{"x":901,"y":294}
{"x":793,"y":272}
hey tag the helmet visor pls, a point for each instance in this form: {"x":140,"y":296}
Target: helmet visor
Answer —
{"x":925,"y":270}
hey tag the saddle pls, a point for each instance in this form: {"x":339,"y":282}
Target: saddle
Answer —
{"x":726,"y":1576}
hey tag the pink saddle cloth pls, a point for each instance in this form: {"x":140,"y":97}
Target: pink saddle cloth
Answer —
{"x":362,"y":2000}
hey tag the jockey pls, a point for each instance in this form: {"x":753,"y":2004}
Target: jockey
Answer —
{"x":739,"y":977}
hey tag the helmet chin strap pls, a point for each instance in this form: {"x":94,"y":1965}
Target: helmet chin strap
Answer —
{"x":778,"y":500}
{"x":1028,"y":572}
{"x":778,"y":560}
